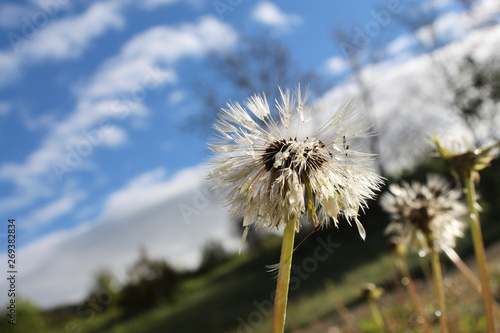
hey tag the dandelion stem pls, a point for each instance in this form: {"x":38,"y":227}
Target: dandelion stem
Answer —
{"x":377,"y":316}
{"x":469,"y":275}
{"x":438,"y":280}
{"x":480,"y":253}
{"x":413,"y":294}
{"x":281,"y":298}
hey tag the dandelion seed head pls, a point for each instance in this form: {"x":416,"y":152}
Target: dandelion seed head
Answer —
{"x":270,"y":174}
{"x":421,"y":211}
{"x":300,"y":157}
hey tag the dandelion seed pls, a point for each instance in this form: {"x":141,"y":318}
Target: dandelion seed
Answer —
{"x":272,"y":175}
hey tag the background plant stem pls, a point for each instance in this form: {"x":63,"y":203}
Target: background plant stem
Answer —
{"x":377,"y":316}
{"x":438,"y":279}
{"x":413,"y":294}
{"x":480,"y":254}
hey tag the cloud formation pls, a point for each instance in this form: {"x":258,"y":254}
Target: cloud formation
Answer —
{"x":171,"y":217}
{"x":50,"y":211}
{"x":337,"y":65}
{"x":45,"y":38}
{"x":267,"y":13}
{"x":113,"y":95}
{"x":410,"y":99}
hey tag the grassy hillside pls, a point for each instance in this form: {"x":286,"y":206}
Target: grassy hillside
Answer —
{"x":237,"y":297}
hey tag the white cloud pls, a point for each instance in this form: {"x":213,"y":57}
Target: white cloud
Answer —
{"x":400,"y":45}
{"x":101,"y":107}
{"x":140,"y":192}
{"x":113,"y":136}
{"x":410,"y":99}
{"x":60,"y":39}
{"x":68,"y":145}
{"x":176,"y":97}
{"x":452,"y":25}
{"x":269,"y":14}
{"x":49,"y":212}
{"x":54,"y":209}
{"x":141,"y":62}
{"x":457,"y":24}
{"x":134,"y":76}
{"x":185,"y":40}
{"x":486,"y":11}
{"x":337,"y":65}
{"x":440,"y":4}
{"x":68,"y":37}
{"x":148,"y":212}
{"x":9,"y":67}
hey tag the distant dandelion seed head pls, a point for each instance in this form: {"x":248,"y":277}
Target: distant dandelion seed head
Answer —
{"x":425,"y":213}
{"x":419,"y":217}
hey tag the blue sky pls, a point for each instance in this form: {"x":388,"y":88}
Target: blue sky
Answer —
{"x":92,"y":98}
{"x":94,"y":93}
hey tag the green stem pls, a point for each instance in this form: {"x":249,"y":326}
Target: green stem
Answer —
{"x":414,"y":294}
{"x":469,"y":275}
{"x":480,"y":254}
{"x":438,"y":279}
{"x":463,"y":268}
{"x":281,"y":298}
{"x":377,"y":317}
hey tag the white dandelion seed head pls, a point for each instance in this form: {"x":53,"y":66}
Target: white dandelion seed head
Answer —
{"x":418,"y":210}
{"x":272,"y":175}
